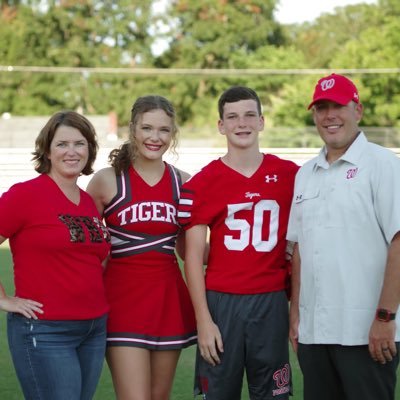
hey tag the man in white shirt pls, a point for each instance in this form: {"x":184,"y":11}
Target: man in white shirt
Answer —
{"x":345,"y":222}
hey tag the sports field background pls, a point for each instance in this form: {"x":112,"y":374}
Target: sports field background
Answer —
{"x":182,"y":390}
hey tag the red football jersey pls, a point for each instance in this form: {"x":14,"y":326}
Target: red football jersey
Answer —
{"x":247,"y":217}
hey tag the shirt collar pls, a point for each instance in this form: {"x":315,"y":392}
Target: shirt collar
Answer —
{"x":355,"y":151}
{"x":352,"y":155}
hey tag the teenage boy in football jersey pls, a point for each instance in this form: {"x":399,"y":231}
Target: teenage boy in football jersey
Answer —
{"x":240,"y":301}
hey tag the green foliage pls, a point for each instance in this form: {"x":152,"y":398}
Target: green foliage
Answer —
{"x":377,"y":47}
{"x":210,"y":34}
{"x":358,"y":36}
{"x":323,"y":40}
{"x":217,"y":34}
{"x":75,"y":34}
{"x":289,"y":105}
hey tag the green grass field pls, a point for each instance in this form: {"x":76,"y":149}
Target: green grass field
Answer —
{"x":182,"y":390}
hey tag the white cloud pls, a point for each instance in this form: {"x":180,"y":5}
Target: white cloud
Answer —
{"x":291,"y":11}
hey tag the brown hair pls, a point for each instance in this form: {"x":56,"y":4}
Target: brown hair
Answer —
{"x":46,"y":136}
{"x":237,"y":93}
{"x":122,"y":157}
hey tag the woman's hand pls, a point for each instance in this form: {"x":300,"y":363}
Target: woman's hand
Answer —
{"x":28,"y":308}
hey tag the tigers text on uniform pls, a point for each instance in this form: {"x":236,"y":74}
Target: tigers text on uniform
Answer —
{"x":148,"y":211}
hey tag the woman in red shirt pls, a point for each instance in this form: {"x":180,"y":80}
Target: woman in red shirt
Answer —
{"x":57,"y":318}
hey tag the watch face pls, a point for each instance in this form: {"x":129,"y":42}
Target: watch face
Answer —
{"x":384,"y":315}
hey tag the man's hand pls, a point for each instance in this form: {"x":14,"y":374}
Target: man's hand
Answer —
{"x":210,"y":342}
{"x":381,"y":341}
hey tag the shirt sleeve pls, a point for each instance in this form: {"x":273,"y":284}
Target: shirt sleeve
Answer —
{"x":13,"y":210}
{"x":291,"y":234}
{"x":387,"y":196}
{"x":192,"y":208}
{"x":293,"y":223}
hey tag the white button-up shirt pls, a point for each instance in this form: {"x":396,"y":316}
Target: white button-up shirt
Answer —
{"x":344,"y":216}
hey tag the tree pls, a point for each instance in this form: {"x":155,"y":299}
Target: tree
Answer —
{"x":321,"y":40}
{"x":76,"y":33}
{"x":359,"y":36}
{"x":209,"y":34}
{"x":377,"y":46}
{"x":216,"y":34}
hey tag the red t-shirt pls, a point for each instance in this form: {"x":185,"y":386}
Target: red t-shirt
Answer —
{"x":248,"y":220}
{"x":57,"y":249}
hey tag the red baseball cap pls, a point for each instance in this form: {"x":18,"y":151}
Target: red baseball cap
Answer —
{"x":336,"y":88}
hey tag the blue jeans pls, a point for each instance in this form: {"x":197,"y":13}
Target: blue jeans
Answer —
{"x":57,"y":360}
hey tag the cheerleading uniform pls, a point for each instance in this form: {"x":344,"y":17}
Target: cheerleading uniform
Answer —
{"x":149,"y":300}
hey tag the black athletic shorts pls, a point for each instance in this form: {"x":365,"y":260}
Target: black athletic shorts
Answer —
{"x":254,"y":331}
